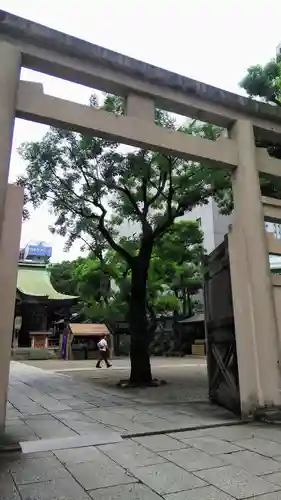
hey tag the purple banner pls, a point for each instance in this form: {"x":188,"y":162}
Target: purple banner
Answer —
{"x":63,"y":347}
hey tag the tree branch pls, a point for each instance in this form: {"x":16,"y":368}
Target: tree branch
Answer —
{"x":131,"y":199}
{"x":142,"y":214}
{"x":63,"y":183}
{"x":70,"y":208}
{"x":106,"y":234}
{"x":159,"y":188}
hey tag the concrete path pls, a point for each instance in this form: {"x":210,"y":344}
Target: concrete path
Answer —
{"x":77,"y":441}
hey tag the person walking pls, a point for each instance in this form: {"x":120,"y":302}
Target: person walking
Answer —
{"x":103,"y":352}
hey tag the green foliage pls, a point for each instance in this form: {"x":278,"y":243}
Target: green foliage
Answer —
{"x":62,"y":277}
{"x":264,"y":83}
{"x":86,"y":180}
{"x":92,"y":186}
{"x":175,"y":266}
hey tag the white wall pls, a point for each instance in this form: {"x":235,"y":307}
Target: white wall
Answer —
{"x":213,"y":224}
{"x":204,"y":213}
{"x":221,"y":224}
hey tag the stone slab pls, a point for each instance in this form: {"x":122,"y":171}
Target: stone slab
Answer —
{"x":211,"y":445}
{"x":271,"y":496}
{"x":8,"y":489}
{"x":20,"y":432}
{"x":85,"y":427}
{"x":62,"y":489}
{"x":236,"y":482}
{"x":97,"y":438}
{"x":273,"y":478}
{"x":233,"y":433}
{"x":270,"y":432}
{"x":167,"y":478}
{"x":100,"y":474}
{"x":49,"y":427}
{"x":78,"y":455}
{"x":206,"y":493}
{"x":129,"y":454}
{"x":66,"y":416}
{"x":252,"y":462}
{"x":37,"y":470}
{"x":159,"y":443}
{"x":80,"y":405}
{"x":191,"y":459}
{"x":262,"y":446}
{"x":135,"y":491}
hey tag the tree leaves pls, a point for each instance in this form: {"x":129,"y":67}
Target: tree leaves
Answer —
{"x":91,"y":185}
{"x":175,"y":265}
{"x":264,"y":82}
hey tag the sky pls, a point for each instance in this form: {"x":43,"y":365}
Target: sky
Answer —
{"x":214,"y":42}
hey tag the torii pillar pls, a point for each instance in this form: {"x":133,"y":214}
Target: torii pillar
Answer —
{"x":11,"y":204}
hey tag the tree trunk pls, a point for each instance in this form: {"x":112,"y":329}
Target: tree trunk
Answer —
{"x":140,"y":338}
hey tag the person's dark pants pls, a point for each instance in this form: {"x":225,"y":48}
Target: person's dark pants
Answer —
{"x":103,"y":357}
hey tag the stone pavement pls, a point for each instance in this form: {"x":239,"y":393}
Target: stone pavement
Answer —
{"x":187,"y":377}
{"x":80,"y":442}
{"x":45,"y":405}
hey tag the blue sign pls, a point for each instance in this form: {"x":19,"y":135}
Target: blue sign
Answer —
{"x":38,"y":250}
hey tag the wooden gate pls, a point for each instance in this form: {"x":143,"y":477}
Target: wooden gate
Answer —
{"x":220,"y":331}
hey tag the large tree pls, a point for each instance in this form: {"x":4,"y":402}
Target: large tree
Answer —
{"x":92,"y":186}
{"x":175,"y":268}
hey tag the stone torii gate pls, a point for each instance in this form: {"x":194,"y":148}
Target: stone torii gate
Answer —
{"x":256,"y":294}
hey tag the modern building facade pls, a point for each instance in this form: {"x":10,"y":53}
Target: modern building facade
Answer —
{"x":213,"y":224}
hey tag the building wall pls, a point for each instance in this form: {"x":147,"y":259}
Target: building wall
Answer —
{"x":221,"y":224}
{"x":213,"y":224}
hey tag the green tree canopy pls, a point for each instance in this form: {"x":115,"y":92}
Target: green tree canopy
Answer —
{"x":175,"y":268}
{"x":91,"y":186}
{"x":264,"y":82}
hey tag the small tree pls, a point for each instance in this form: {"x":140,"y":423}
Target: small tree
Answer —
{"x":86,"y":180}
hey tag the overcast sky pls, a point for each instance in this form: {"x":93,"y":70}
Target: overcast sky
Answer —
{"x":214,"y":42}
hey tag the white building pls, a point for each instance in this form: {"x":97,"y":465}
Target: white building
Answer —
{"x":214,"y":225}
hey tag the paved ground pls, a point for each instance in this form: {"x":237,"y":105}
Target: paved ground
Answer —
{"x":83,"y":438}
{"x":186,"y":377}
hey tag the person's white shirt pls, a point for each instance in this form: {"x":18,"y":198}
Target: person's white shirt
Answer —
{"x":102,"y":345}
